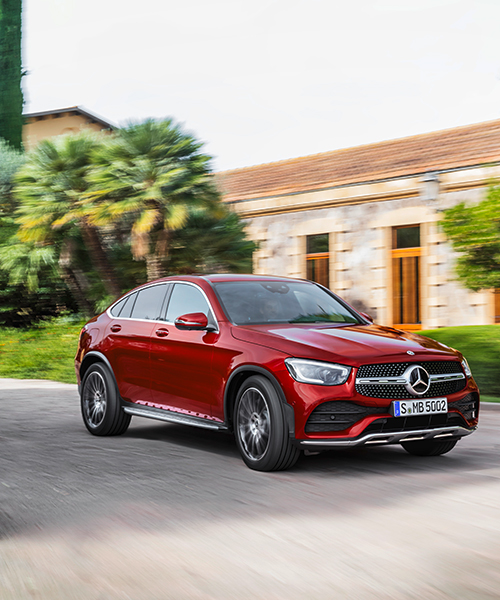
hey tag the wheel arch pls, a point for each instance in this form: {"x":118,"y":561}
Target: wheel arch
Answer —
{"x":236,"y":380}
{"x":90,"y":359}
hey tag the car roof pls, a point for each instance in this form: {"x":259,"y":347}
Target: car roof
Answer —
{"x":219,"y":277}
{"x":245,"y":277}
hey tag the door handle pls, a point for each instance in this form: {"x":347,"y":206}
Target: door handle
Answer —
{"x":115,"y":328}
{"x":162,"y":332}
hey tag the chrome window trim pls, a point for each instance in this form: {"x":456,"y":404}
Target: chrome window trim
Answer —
{"x":135,"y":291}
{"x":108,"y":310}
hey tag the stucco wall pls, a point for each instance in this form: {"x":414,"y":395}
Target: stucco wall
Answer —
{"x":36,"y":130}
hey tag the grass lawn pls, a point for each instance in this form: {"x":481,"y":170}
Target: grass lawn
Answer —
{"x":47,"y":352}
{"x":43,"y":352}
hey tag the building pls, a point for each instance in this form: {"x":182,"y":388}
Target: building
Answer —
{"x":364,"y":221}
{"x":50,"y":123}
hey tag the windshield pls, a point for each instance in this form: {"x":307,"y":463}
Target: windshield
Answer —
{"x":254,"y":302}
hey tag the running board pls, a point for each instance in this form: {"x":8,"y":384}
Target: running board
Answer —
{"x":161,"y":414}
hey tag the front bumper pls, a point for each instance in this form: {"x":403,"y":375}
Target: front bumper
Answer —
{"x":395,"y":437}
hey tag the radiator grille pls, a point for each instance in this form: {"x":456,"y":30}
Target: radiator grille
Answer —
{"x":434,"y":367}
{"x":398,"y":391}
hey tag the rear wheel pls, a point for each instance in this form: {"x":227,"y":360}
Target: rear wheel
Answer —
{"x":260,"y":427}
{"x":429,"y":447}
{"x":100,"y":403}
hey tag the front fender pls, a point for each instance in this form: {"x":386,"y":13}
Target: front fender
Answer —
{"x":236,"y":379}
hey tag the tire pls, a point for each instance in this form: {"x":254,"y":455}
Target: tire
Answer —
{"x":100,"y":403}
{"x":429,"y":447}
{"x":260,"y":428}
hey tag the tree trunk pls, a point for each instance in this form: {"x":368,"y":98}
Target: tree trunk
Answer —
{"x":99,"y":258}
{"x":154,"y":267}
{"x":155,"y":260}
{"x":75,"y":280}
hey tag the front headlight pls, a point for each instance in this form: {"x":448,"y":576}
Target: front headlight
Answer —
{"x":318,"y":373}
{"x":466,"y":367}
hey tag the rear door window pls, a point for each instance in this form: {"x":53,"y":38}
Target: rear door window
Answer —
{"x":149,"y":302}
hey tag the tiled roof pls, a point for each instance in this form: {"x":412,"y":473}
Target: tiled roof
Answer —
{"x":440,"y":150}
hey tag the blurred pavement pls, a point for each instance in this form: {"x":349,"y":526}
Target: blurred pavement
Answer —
{"x":170,"y":512}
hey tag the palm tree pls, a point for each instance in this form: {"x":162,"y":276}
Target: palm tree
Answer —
{"x":52,"y":190}
{"x":148,"y":177}
{"x":208,"y":244}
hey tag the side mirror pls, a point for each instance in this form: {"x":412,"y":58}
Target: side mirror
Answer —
{"x":367,"y":317}
{"x":193,"y":321}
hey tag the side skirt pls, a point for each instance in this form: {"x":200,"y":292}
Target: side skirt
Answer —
{"x":170,"y":416}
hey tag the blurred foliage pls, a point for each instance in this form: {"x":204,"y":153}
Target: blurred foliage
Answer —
{"x":480,"y":344}
{"x":209,"y":244}
{"x":11,"y":95}
{"x":30,"y":288}
{"x":474,"y":231}
{"x":55,"y":209}
{"x":86,"y":217}
{"x":10,"y":162}
{"x":149,"y":177}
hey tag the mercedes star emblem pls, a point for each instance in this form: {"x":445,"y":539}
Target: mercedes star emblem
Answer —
{"x":417,"y":380}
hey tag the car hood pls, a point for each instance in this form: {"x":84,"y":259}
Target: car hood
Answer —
{"x":352,"y":345}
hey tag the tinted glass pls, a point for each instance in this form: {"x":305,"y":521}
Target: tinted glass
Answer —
{"x":149,"y":301}
{"x":127,"y":308}
{"x":251,"y":302}
{"x":317,"y":243}
{"x":186,"y":299}
{"x":115,"y":311}
{"x":407,"y":237}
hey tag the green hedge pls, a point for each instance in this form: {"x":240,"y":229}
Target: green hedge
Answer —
{"x":480,"y":344}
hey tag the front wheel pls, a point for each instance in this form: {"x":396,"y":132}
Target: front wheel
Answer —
{"x":429,"y":447}
{"x":101,"y":408}
{"x":260,"y":427}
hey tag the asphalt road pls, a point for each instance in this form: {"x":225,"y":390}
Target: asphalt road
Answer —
{"x":171,"y":512}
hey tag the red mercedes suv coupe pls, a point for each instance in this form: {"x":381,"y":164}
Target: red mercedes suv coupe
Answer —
{"x":284,"y":364}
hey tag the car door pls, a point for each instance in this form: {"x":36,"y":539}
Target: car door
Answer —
{"x":181,"y":361}
{"x":128,"y":341}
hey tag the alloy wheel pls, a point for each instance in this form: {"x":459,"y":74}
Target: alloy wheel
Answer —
{"x":94,"y":399}
{"x":254,"y":424}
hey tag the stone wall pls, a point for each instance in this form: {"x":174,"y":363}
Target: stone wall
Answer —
{"x":361,"y":242}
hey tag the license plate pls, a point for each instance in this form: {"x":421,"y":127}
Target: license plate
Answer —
{"x":413,"y":408}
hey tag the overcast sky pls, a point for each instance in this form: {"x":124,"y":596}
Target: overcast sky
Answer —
{"x":266,"y":80}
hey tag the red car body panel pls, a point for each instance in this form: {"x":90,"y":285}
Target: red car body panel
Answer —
{"x":157,"y":364}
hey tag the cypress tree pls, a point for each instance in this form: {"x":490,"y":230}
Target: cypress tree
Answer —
{"x":11,"y":95}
